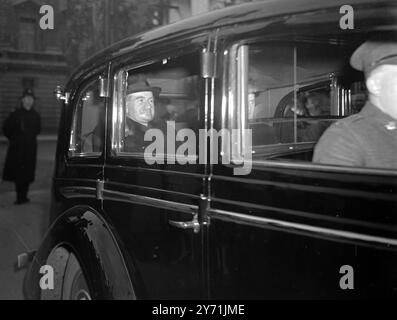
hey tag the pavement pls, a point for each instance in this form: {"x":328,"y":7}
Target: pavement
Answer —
{"x":23,"y":227}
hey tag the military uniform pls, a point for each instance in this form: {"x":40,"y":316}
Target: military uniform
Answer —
{"x":366,"y":139}
{"x":369,"y":138}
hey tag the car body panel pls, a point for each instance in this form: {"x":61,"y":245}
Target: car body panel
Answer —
{"x":297,"y":244}
{"x":284,"y":231}
{"x":83,"y":231}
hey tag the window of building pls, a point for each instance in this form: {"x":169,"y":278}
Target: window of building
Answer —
{"x":87,"y":134}
{"x":27,"y":34}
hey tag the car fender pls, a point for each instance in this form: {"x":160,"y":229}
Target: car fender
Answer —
{"x":83,"y":231}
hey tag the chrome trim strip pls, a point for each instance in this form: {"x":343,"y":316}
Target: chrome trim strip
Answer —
{"x":130,"y":169}
{"x":222,"y":215}
{"x":78,"y":192}
{"x":232,"y":149}
{"x":309,"y":188}
{"x":302,"y":214}
{"x":149,"y":201}
{"x":129,"y":185}
{"x":73,"y":155}
{"x":310,"y":166}
{"x":242,"y":97}
{"x":144,"y":188}
{"x":163,"y":156}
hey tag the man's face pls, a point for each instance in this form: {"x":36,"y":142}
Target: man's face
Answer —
{"x":28,"y":102}
{"x":140,"y":107}
{"x":313,"y":108}
{"x":388,"y":90}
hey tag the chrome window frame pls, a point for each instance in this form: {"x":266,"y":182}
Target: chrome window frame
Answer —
{"x":229,"y":114}
{"x":72,"y":141}
{"x":120,"y":82}
{"x":118,"y":110}
{"x":234,"y":95}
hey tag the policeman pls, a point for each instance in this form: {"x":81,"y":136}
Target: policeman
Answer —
{"x":22,"y":127}
{"x":369,"y":138}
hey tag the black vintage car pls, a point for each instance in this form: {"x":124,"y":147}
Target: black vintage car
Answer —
{"x":123,"y":227}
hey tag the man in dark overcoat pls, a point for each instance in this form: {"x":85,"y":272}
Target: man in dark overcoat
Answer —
{"x":21,"y":128}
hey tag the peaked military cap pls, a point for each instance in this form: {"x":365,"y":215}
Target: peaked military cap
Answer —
{"x":376,"y":51}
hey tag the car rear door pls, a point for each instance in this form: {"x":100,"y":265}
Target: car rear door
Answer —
{"x":155,"y":207}
{"x":290,"y":228}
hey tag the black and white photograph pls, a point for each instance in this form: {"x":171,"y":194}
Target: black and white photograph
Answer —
{"x":211,"y":151}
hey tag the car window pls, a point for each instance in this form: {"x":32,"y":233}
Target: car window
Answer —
{"x":163,"y":96}
{"x":87,"y":133}
{"x":296,"y":90}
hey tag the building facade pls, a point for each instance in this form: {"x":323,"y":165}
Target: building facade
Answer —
{"x":181,"y":9}
{"x":31,"y":58}
{"x":41,"y":59}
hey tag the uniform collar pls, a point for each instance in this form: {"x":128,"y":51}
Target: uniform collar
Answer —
{"x":373,"y":113}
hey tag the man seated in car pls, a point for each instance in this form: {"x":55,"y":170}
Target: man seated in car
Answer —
{"x":369,"y":138}
{"x":140,"y":112}
{"x":317,"y":105}
{"x":286,"y":129}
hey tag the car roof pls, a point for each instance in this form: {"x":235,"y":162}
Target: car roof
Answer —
{"x":216,"y":19}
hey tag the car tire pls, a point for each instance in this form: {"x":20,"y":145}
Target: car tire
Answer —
{"x":69,"y":282}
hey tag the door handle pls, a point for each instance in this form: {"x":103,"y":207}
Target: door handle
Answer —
{"x":194,"y":224}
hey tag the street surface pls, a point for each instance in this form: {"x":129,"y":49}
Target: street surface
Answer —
{"x":22,"y":227}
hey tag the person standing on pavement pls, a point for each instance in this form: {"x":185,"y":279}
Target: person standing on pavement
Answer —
{"x":22,"y":127}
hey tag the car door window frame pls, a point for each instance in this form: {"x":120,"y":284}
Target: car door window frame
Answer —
{"x":75,"y":104}
{"x":235,"y":117}
{"x":118,"y":115}
{"x":120,"y":82}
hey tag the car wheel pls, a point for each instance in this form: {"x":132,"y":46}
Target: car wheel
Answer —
{"x":74,"y":284}
{"x":69,"y":280}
